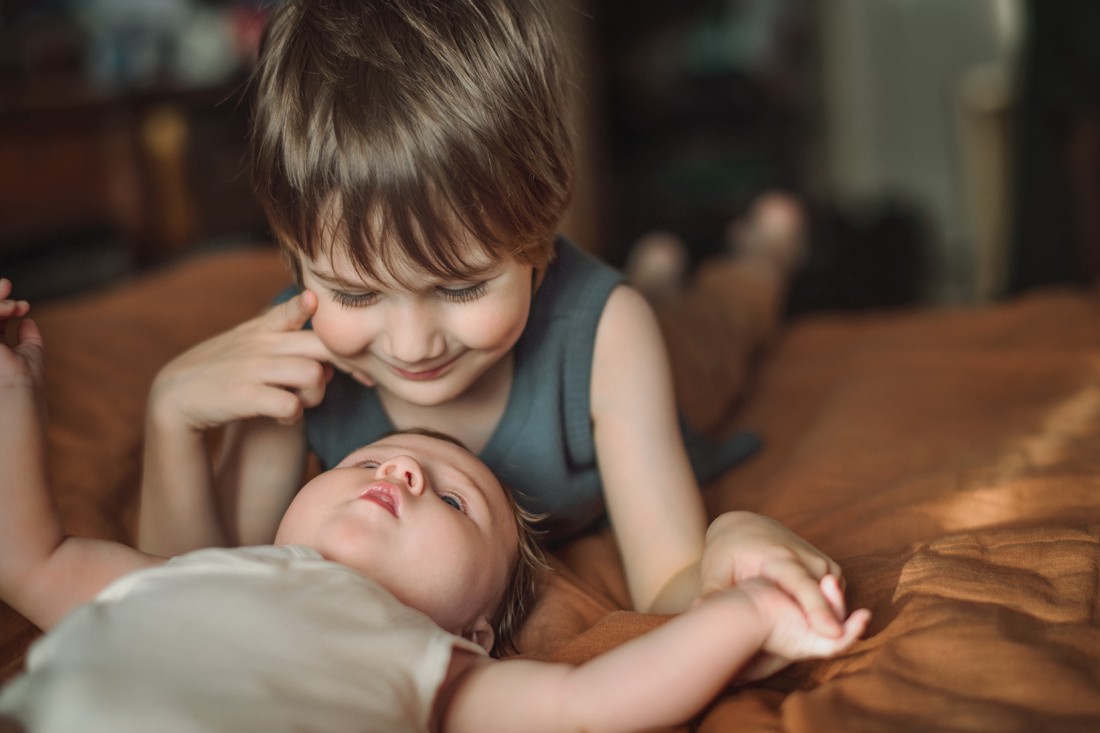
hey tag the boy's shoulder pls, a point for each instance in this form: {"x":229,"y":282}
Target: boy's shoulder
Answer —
{"x":573,"y":292}
{"x":576,"y":277}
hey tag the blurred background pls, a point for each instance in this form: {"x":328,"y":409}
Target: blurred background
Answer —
{"x":945,"y":152}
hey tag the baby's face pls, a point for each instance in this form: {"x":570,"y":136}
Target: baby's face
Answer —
{"x":421,"y":516}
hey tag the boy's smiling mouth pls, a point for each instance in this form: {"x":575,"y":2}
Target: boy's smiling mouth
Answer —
{"x":422,"y":375}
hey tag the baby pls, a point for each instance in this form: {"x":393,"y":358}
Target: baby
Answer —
{"x":392,"y":577}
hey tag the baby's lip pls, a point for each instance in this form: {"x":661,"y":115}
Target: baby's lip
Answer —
{"x":384,"y":495}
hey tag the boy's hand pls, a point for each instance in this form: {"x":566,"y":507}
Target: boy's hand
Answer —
{"x":743,"y":545}
{"x":22,"y":363}
{"x":266,"y":367}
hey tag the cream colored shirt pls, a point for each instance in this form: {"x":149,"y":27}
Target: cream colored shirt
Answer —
{"x":253,"y":639}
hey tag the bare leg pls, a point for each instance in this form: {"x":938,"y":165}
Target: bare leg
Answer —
{"x":716,"y":326}
{"x":657,"y":266}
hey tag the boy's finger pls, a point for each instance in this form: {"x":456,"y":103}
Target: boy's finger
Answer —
{"x":303,"y":343}
{"x":293,"y":314}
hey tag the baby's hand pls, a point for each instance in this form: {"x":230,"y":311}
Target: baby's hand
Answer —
{"x":267,"y":367}
{"x":23,"y":362}
{"x":791,"y":637}
{"x":743,"y":545}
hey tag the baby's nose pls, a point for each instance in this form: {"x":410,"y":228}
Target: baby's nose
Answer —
{"x":406,"y":470}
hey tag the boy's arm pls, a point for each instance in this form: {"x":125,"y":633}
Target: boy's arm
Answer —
{"x":263,"y":374}
{"x":661,"y":678}
{"x":260,"y":469}
{"x":43,"y":574}
{"x":653,"y":502}
{"x":187,"y":504}
{"x":652,"y":496}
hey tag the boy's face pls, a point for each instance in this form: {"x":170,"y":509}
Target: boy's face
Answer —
{"x":419,"y":339}
{"x":422,"y":517}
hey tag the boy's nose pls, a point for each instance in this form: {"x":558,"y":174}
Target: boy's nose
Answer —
{"x":414,"y":337}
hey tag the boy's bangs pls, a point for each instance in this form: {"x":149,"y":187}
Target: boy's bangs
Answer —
{"x":389,"y":237}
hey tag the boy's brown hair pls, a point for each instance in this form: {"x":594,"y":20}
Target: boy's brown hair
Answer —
{"x":392,"y":131}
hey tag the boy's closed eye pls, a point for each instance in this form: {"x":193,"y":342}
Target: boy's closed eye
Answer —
{"x":353,"y":300}
{"x":459,"y":294}
{"x":465,"y":293}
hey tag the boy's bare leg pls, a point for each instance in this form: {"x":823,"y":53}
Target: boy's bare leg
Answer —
{"x":716,"y":326}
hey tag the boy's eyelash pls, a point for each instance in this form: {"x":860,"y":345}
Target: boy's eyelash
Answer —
{"x":353,"y":300}
{"x":464,"y":295}
{"x":456,"y":295}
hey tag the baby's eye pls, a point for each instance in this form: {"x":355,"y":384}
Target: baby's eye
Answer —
{"x":455,"y":501}
{"x":353,"y":300}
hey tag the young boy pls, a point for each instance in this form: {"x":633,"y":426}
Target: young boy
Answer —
{"x":414,"y":160}
{"x":373,"y":611}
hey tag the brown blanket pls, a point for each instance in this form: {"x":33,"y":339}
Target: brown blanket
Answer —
{"x":950,"y":461}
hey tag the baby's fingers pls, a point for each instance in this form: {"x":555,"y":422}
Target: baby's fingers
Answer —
{"x":32,"y":347}
{"x":808,"y":593}
{"x":10,"y":308}
{"x":827,"y":646}
{"x":29,"y":350}
{"x":854,"y":626}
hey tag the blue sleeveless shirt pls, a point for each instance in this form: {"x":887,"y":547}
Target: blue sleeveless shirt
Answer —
{"x":543,"y":446}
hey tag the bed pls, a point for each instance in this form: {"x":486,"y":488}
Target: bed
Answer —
{"x":949,"y":460}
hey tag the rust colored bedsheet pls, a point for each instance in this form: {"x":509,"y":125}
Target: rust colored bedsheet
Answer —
{"x":949,"y":460}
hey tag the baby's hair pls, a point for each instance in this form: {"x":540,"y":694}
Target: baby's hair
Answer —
{"x":395,"y":132}
{"x":523,"y":585}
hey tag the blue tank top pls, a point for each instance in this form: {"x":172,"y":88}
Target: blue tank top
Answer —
{"x":543,"y":446}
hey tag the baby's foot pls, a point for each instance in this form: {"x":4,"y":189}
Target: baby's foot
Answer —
{"x":657,"y":266}
{"x":773,"y":232}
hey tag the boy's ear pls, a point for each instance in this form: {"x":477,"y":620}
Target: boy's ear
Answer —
{"x":482,"y":634}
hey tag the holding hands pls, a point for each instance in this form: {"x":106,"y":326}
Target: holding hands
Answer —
{"x":791,"y":637}
{"x":744,"y":545}
{"x":265,"y":367}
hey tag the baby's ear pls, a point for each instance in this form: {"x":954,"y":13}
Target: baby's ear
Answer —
{"x":482,"y":634}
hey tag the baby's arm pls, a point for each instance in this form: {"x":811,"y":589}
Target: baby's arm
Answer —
{"x":661,"y":678}
{"x":43,"y":574}
{"x":256,"y":379}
